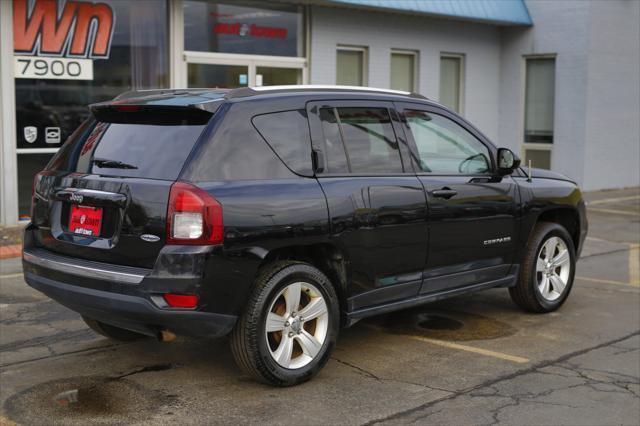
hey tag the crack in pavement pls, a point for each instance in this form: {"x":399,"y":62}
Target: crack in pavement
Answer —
{"x":562,"y":361}
{"x":62,"y":354}
{"x":371,"y":375}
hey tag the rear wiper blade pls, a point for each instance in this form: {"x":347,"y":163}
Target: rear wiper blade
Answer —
{"x":112,"y":164}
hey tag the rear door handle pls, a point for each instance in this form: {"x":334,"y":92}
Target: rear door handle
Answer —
{"x":445,"y":193}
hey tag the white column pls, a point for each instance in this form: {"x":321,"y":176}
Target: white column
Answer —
{"x":177,"y":69}
{"x":8,"y":159}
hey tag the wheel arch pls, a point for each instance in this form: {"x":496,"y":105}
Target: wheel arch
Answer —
{"x":567,"y":217}
{"x":328,"y":258}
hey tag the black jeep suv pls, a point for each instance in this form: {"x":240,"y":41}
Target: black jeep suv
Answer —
{"x":280,"y":214}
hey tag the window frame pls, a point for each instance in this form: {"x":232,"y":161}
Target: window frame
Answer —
{"x":416,"y":66}
{"x":537,"y":146}
{"x":461,"y":82}
{"x":318,"y":142}
{"x":365,"y":61}
{"x":472,"y":130}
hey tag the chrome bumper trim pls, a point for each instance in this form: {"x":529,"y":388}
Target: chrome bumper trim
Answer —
{"x":83,"y":271}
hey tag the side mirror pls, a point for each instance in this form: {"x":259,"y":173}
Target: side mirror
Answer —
{"x":507,"y":161}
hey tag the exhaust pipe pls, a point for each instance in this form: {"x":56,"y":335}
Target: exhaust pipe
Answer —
{"x":166,"y":336}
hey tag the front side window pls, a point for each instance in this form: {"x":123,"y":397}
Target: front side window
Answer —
{"x":445,"y":147}
{"x":360,"y":140}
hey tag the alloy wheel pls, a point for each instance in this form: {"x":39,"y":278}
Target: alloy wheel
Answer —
{"x":296,"y":325}
{"x":553,"y":268}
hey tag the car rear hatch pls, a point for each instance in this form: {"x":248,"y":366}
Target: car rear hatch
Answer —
{"x":103,"y":197}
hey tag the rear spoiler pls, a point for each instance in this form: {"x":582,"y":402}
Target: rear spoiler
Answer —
{"x":161,"y":110}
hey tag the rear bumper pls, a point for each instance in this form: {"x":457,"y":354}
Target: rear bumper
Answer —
{"x":120,"y":296}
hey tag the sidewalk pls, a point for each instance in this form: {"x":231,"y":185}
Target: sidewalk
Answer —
{"x":11,"y":241}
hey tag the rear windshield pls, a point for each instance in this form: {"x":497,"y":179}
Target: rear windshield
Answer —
{"x":128,"y":150}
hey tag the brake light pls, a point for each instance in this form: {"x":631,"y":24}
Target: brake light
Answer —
{"x":34,"y":187}
{"x":188,"y":301}
{"x":193,"y":216}
{"x":128,"y":108}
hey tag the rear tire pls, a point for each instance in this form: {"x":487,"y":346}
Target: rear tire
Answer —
{"x":290,"y":325}
{"x":112,"y":332}
{"x":547,"y":271}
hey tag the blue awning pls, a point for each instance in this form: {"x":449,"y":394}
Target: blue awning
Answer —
{"x":500,"y":12}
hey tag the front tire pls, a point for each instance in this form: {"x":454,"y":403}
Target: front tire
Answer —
{"x":548,"y":269}
{"x":290,"y":325}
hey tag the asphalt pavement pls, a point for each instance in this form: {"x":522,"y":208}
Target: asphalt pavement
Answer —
{"x":475,"y":359}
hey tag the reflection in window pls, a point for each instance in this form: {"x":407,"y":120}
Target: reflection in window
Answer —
{"x":369,"y":146}
{"x":336,"y":154}
{"x":288,"y":135}
{"x":446,"y":147}
{"x":211,"y":26}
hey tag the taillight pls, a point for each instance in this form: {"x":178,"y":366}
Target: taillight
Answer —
{"x":34,"y":187}
{"x":193,"y":216}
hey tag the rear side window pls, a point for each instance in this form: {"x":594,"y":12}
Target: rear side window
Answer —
{"x":368,"y":141}
{"x":151,"y":151}
{"x":287,"y":133}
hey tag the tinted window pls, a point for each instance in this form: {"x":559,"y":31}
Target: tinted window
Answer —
{"x":152,"y":151}
{"x":288,"y":135}
{"x":446,"y":147}
{"x":335,"y":153}
{"x":369,"y":143}
{"x":236,"y":152}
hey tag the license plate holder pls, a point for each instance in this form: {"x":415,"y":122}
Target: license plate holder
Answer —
{"x":85,"y":220}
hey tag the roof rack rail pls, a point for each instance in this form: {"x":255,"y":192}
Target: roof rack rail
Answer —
{"x":252,"y":91}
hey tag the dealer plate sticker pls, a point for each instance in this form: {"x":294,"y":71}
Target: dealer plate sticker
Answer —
{"x":53,"y":68}
{"x":85,"y":220}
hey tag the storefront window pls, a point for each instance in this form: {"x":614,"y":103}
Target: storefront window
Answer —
{"x":253,"y":28}
{"x":71,"y":54}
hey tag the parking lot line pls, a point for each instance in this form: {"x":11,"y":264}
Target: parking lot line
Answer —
{"x":634,"y":264}
{"x":598,"y":210}
{"x":472,"y":349}
{"x":613,"y":200}
{"x":598,"y":280}
{"x":458,"y":346}
{"x":11,"y":275}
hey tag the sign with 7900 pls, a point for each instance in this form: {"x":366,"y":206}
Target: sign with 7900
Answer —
{"x":53,"y":68}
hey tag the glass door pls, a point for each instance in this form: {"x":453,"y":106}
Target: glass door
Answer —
{"x":215,"y":70}
{"x":276,"y":76}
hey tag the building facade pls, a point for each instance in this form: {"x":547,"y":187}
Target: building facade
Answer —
{"x":556,"y":81}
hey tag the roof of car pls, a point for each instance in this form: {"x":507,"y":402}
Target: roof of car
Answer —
{"x":199,"y":98}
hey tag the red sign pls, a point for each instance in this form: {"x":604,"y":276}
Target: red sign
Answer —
{"x":253,"y":30}
{"x":42,"y":31}
{"x":85,"y":220}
